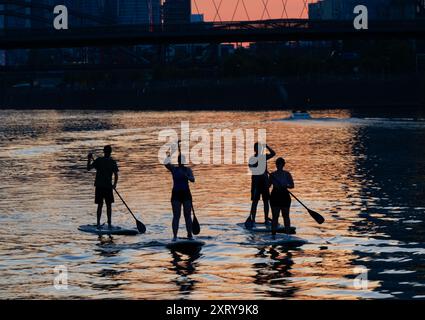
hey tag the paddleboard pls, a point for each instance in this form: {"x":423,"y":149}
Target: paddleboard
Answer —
{"x":284,"y":240}
{"x":104,"y":230}
{"x":261,"y":227}
{"x":185,"y":245}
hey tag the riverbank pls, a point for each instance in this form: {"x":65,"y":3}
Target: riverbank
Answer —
{"x":228,"y":94}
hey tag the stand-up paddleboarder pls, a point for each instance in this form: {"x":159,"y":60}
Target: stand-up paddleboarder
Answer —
{"x":280,"y":199}
{"x":180,"y":195}
{"x":105,"y":167}
{"x":260,"y":179}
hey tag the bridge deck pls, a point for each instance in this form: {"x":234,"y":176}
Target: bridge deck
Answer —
{"x":217,"y":32}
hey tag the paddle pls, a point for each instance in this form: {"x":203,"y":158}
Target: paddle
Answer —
{"x":140,"y":226}
{"x":196,"y":228}
{"x":316,"y":216}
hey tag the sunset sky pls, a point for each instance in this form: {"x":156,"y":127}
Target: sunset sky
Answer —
{"x":254,"y":8}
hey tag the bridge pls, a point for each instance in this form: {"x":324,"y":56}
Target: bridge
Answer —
{"x":270,"y":25}
{"x":213,"y":32}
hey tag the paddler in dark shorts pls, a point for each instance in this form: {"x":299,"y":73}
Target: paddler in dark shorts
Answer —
{"x":181,"y":196}
{"x":105,"y":167}
{"x":260,"y":179}
{"x":280,"y":199}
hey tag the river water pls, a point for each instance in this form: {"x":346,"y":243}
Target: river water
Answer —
{"x":364,"y":173}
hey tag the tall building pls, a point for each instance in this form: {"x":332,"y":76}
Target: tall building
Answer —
{"x":104,"y":11}
{"x":120,"y":11}
{"x":377,"y":9}
{"x":16,"y":17}
{"x":177,"y":12}
{"x":39,"y":13}
{"x":197,"y":18}
{"x":420,"y":9}
{"x":2,"y":52}
{"x":139,"y":11}
{"x":1,"y":17}
{"x":325,"y":10}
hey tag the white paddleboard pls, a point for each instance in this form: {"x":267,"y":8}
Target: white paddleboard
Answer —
{"x":183,"y":244}
{"x":261,"y":227}
{"x":104,"y":230}
{"x":283,"y":240}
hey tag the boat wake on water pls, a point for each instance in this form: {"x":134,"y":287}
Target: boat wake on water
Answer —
{"x":354,"y":121}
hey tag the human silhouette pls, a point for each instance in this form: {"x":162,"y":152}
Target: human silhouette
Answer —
{"x":280,"y":199}
{"x":260,"y":179}
{"x":105,"y":167}
{"x":181,"y":195}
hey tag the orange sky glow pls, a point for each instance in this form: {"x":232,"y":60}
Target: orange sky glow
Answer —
{"x":254,"y":9}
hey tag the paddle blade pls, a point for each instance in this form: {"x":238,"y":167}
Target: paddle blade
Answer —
{"x":196,"y":228}
{"x":140,"y":226}
{"x":316,"y":216}
{"x":249,"y":224}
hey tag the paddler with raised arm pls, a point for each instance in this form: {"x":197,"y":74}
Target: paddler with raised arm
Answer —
{"x":180,"y":195}
{"x":260,"y":179}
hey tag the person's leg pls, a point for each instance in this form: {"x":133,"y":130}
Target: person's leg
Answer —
{"x":109,"y":213}
{"x":99,"y":212}
{"x":266,"y":209}
{"x":255,"y":198}
{"x":254,"y":209}
{"x":275,"y":220}
{"x":187,"y":210}
{"x":98,"y":199}
{"x":286,"y":219}
{"x":265,"y":195}
{"x":177,"y":207}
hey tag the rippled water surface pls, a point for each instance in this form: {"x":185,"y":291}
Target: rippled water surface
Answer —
{"x":366,"y":175}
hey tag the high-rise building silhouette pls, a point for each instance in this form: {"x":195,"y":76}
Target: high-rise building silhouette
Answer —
{"x":138,"y":11}
{"x":377,"y":9}
{"x":177,"y":11}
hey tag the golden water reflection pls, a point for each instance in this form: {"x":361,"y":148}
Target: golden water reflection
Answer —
{"x":49,"y":193}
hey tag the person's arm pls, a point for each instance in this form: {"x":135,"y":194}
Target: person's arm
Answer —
{"x":271,"y":153}
{"x":115,"y":180}
{"x":189,"y":175}
{"x":253,"y":162}
{"x":115,"y":167}
{"x":291,"y":184}
{"x":271,"y":177}
{"x":167,"y":162}
{"x":90,"y":165}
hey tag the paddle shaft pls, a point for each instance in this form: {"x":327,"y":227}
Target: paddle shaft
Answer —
{"x":125,"y":204}
{"x":316,"y":216}
{"x":298,"y":200}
